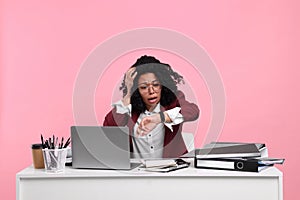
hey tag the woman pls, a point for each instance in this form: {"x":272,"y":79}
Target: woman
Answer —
{"x":153,"y":109}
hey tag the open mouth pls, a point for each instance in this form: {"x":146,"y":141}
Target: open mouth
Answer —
{"x":152,"y":100}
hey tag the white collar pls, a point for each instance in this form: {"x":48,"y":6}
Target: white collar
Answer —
{"x":155,"y":110}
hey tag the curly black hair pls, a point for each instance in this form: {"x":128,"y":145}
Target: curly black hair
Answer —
{"x":165,"y":75}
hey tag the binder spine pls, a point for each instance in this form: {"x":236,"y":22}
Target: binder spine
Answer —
{"x":227,"y":164}
{"x":248,"y":166}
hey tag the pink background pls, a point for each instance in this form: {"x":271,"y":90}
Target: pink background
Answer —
{"x":255,"y":46}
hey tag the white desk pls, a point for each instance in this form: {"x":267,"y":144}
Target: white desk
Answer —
{"x":189,"y":183}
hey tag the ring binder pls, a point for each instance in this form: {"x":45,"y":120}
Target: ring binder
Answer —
{"x":237,"y":164}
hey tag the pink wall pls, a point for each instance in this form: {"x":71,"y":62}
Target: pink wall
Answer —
{"x":255,"y":46}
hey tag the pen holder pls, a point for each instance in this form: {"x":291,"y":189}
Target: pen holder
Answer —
{"x":55,"y":159}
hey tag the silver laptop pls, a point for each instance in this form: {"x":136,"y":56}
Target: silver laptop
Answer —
{"x":98,"y":147}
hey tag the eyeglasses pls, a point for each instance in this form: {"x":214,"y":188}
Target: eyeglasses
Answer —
{"x":144,"y":87}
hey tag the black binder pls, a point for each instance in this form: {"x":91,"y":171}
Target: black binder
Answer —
{"x":239,"y":151}
{"x":236,"y":164}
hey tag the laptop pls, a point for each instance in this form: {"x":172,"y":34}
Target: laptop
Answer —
{"x":100,"y":147}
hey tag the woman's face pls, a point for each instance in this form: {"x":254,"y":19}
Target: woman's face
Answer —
{"x":150,"y":90}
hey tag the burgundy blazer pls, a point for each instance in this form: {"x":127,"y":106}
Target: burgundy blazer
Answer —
{"x":173,"y":143}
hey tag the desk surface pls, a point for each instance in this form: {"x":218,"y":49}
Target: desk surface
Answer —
{"x":30,"y":172}
{"x":80,"y":184}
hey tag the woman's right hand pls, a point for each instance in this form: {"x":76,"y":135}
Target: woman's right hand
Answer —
{"x":129,"y":77}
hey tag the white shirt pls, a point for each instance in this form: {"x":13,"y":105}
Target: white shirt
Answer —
{"x":150,"y":145}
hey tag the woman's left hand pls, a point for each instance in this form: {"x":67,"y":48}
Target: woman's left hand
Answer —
{"x":148,"y":124}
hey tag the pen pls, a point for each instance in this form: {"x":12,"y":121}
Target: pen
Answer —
{"x":67,"y":143}
{"x":46,"y":144}
{"x":42,"y":139}
{"x":50,"y":143}
{"x":53,"y":141}
{"x":56,"y":141}
{"x":62,"y":141}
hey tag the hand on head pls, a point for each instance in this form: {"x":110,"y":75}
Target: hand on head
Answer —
{"x":129,"y":77}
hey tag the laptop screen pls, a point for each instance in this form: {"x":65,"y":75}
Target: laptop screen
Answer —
{"x":100,"y":147}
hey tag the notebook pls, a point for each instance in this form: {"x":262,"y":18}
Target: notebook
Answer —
{"x":98,"y":147}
